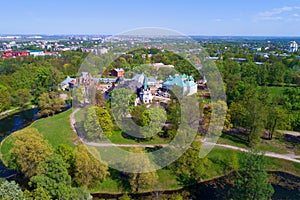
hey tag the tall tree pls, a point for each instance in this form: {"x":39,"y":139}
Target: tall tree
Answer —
{"x":251,"y":181}
{"x":190,"y":168}
{"x":53,"y":177}
{"x":91,"y":125}
{"x":105,"y":121}
{"x":50,"y":103}
{"x":29,"y":149}
{"x":138,"y":180}
{"x":151,"y":121}
{"x":87,"y":168}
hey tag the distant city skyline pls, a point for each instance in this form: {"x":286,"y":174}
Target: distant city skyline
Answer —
{"x":210,"y":18}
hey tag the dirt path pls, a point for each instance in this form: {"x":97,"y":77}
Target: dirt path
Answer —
{"x":8,"y":111}
{"x":291,"y":157}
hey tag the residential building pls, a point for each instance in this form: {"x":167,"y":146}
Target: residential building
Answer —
{"x":118,"y":72}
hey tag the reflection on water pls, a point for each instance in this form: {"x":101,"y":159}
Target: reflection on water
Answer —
{"x":17,"y":121}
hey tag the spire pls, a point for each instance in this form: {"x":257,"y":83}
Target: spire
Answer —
{"x":145,"y":83}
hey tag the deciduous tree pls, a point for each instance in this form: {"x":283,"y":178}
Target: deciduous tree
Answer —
{"x":29,"y":149}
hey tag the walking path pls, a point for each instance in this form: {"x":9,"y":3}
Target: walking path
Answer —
{"x":8,"y":111}
{"x":291,"y":157}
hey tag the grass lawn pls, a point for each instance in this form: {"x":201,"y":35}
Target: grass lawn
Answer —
{"x":275,"y":145}
{"x":273,"y":164}
{"x":55,"y":129}
{"x":233,"y":141}
{"x":166,"y":181}
{"x":118,"y":138}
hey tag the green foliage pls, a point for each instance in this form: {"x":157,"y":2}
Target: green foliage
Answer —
{"x":137,"y":112}
{"x":10,"y":190}
{"x":67,"y":154}
{"x":50,"y":103}
{"x":4,"y":98}
{"x":28,"y":151}
{"x":36,"y":74}
{"x":151,"y":121}
{"x":190,"y":168}
{"x":53,"y":177}
{"x":80,"y":194}
{"x":88,"y":169}
{"x":125,"y":197}
{"x":21,"y":97}
{"x":91,"y":125}
{"x":140,"y":163}
{"x":120,"y":99}
{"x":37,"y":194}
{"x":251,"y":181}
{"x":105,"y":121}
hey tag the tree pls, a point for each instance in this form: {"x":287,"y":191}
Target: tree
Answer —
{"x":50,"y":103}
{"x":37,"y":194}
{"x":100,"y":99}
{"x":277,"y":119}
{"x":87,"y":168}
{"x":120,"y":99}
{"x":10,"y":190}
{"x":67,"y":154}
{"x":137,"y":112}
{"x":138,"y":180}
{"x":22,"y":96}
{"x":91,"y":125}
{"x":251,"y":181}
{"x":105,"y":121}
{"x":29,"y":149}
{"x":190,"y":168}
{"x":151,"y":121}
{"x":53,"y":177}
{"x":4,"y":98}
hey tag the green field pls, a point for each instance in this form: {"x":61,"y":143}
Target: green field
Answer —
{"x":57,"y":129}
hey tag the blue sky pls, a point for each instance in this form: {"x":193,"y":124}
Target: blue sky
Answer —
{"x":191,"y":17}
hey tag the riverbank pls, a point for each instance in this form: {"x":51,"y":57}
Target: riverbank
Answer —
{"x":218,"y":188}
{"x":13,"y":111}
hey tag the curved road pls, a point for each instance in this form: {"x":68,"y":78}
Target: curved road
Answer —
{"x":290,"y":157}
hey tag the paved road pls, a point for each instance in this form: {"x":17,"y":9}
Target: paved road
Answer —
{"x":291,"y":157}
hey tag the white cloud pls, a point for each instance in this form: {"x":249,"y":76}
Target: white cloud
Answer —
{"x":275,"y":14}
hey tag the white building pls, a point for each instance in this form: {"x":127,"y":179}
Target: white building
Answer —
{"x":293,"y":46}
